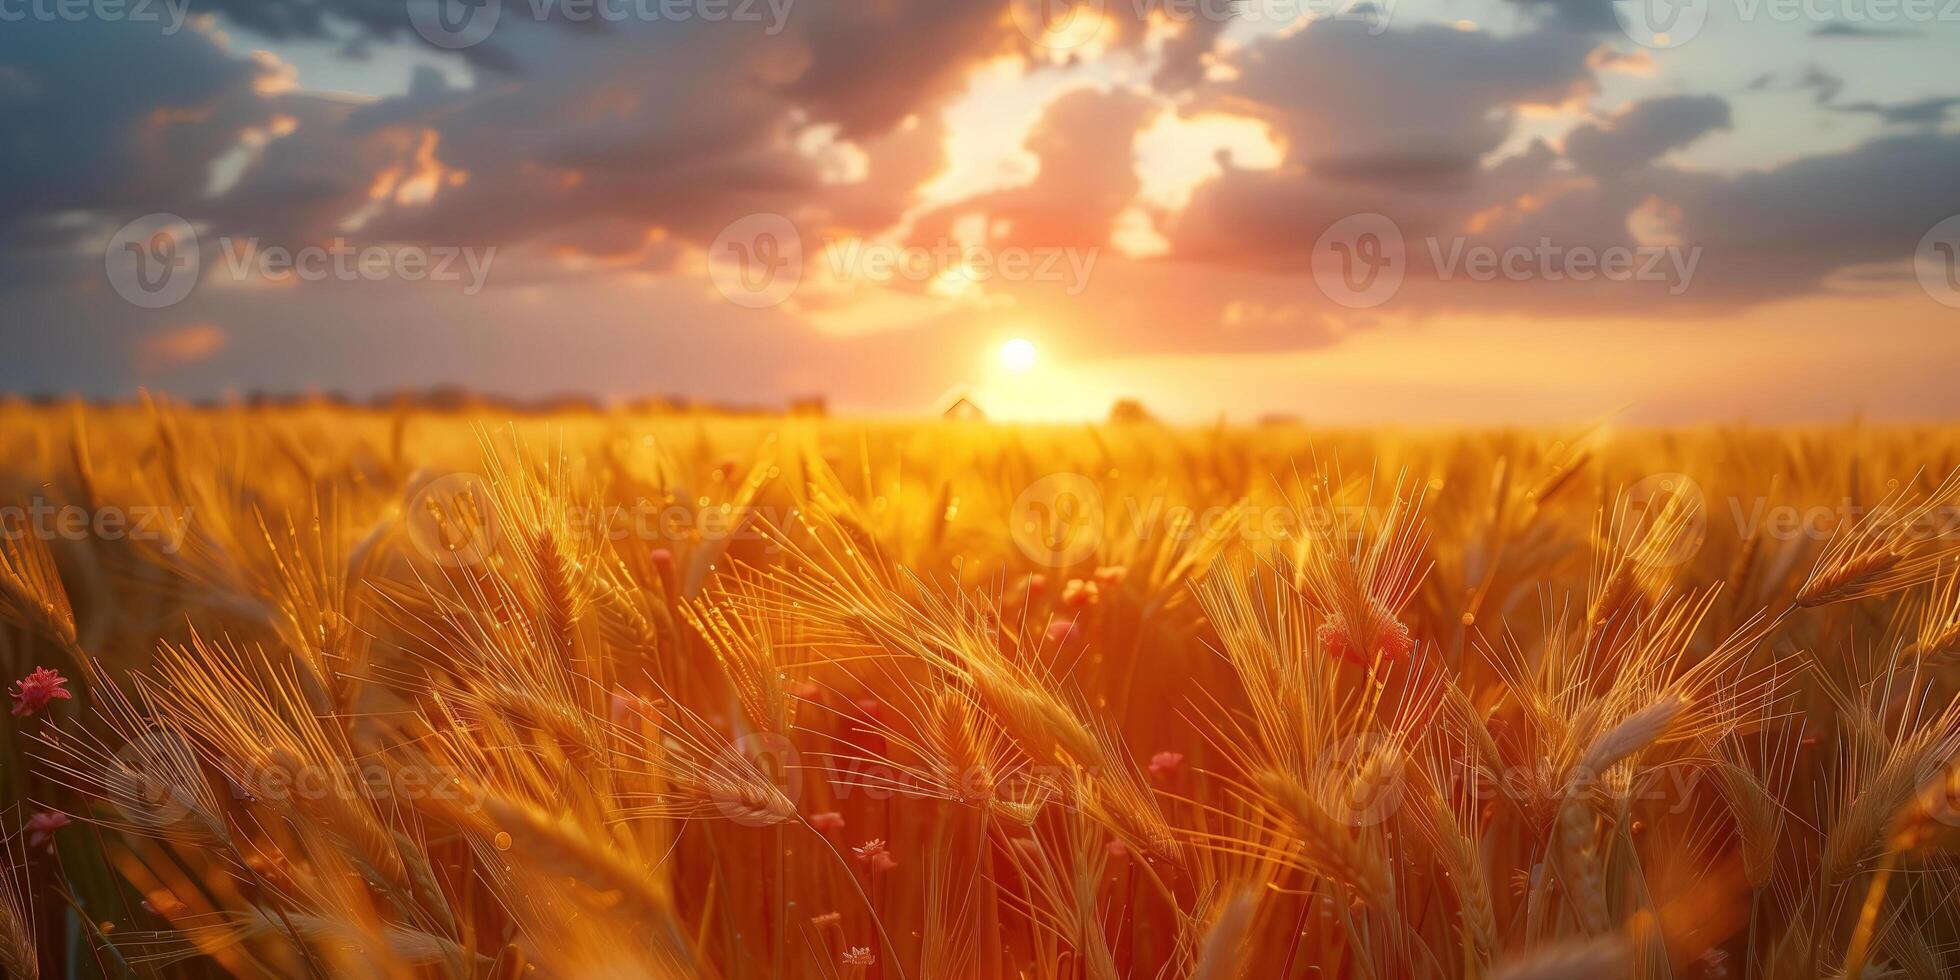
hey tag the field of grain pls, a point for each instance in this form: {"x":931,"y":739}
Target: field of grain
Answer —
{"x":323,"y":691}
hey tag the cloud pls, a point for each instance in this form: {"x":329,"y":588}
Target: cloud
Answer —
{"x":1644,"y":131}
{"x":1085,"y":142}
{"x":603,"y":158}
{"x":1840,"y":29}
{"x":177,"y":346}
{"x":1783,"y":230}
{"x":139,"y":138}
{"x":1420,"y":103}
{"x":1920,"y":112}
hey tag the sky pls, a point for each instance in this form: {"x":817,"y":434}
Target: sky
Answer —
{"x":1353,"y":211}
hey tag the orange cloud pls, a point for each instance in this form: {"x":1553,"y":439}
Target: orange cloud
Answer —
{"x":178,"y":346}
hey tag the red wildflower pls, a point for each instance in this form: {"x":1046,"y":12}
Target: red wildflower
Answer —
{"x":33,"y":692}
{"x":1059,"y":629}
{"x":1078,"y":593}
{"x":827,"y":821}
{"x":1163,"y":765}
{"x":41,"y":827}
{"x":859,"y":956}
{"x":873,"y":854}
{"x":1391,"y":638}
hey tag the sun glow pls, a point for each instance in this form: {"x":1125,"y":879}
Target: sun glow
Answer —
{"x":1018,"y":355}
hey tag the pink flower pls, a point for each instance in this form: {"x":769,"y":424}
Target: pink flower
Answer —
{"x":827,"y":821}
{"x":662,"y":558}
{"x":1059,"y":629}
{"x":41,"y":827}
{"x":1118,"y":850}
{"x":33,"y":692}
{"x":1078,"y":593}
{"x":1164,"y":765}
{"x":872,"y":853}
{"x":1110,"y":576}
{"x":859,"y":956}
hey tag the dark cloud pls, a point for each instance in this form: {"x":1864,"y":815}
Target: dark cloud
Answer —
{"x":1644,"y":131}
{"x":1920,"y":112}
{"x":1401,"y":101}
{"x":1583,"y":16}
{"x":116,"y":116}
{"x":1781,"y":231}
{"x":1839,"y":29}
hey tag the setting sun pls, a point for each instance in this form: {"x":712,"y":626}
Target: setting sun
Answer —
{"x":1017,"y":355}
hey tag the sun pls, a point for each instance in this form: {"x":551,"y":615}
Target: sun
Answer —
{"x":1017,"y":355}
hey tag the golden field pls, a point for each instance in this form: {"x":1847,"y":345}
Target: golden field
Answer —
{"x":353,"y":693}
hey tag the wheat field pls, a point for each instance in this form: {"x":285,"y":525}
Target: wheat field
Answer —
{"x":327,"y":691}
